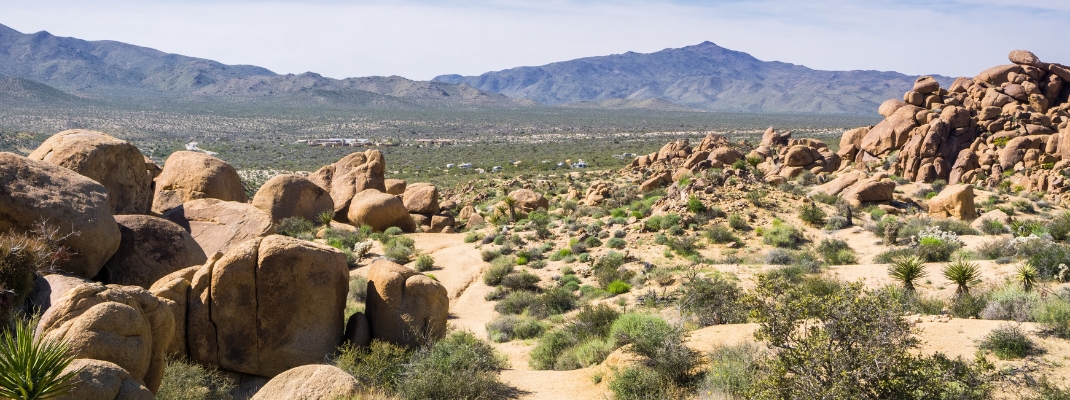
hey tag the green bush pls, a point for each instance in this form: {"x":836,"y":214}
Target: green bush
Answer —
{"x":184,"y":380}
{"x":782,"y":235}
{"x":684,"y":246}
{"x":936,"y":250}
{"x":472,"y":237}
{"x":694,"y":205}
{"x":512,"y":327}
{"x":424,"y":263}
{"x":522,"y":280}
{"x":459,"y":366}
{"x":732,"y":369}
{"x":489,"y":254}
{"x":519,"y":302}
{"x":588,"y":353}
{"x":718,"y":234}
{"x":499,"y":268}
{"x":640,"y":382}
{"x":550,"y":346}
{"x":712,"y":301}
{"x":581,"y":343}
{"x":616,"y":243}
{"x":296,"y":227}
{"x":967,"y":305}
{"x":393,"y":231}
{"x":380,"y":365}
{"x":21,"y":256}
{"x":618,"y":287}
{"x":737,"y":222}
{"x":1054,"y":316}
{"x":993,"y":227}
{"x":812,"y":214}
{"x":1007,"y":342}
{"x":836,"y":252}
{"x":399,"y":249}
{"x":592,"y":242}
{"x":593,"y":321}
{"x":1059,"y":226}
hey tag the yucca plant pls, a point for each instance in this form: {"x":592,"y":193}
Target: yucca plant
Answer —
{"x":964,"y":274}
{"x":33,"y":368}
{"x":1027,"y":275}
{"x":907,"y":270}
{"x":326,"y":217}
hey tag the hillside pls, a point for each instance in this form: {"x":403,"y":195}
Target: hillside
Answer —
{"x":704,"y":76}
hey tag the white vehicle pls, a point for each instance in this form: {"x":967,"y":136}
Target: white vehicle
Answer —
{"x":448,"y":166}
{"x":497,"y":168}
{"x":580,"y":164}
{"x":466,"y":165}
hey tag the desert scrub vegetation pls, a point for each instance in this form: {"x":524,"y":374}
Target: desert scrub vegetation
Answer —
{"x":781,"y":234}
{"x":459,"y":366}
{"x":667,"y":368}
{"x":732,"y":370}
{"x":32,"y":368}
{"x":515,"y":327}
{"x":185,"y":380}
{"x":581,"y":342}
{"x":1007,"y":342}
{"x":711,"y":301}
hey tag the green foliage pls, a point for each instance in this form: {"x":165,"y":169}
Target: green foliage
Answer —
{"x":583,"y":342}
{"x":380,"y":365}
{"x":712,"y":301}
{"x":967,"y":305}
{"x":499,"y":268}
{"x":489,"y":255}
{"x":33,"y":368}
{"x":296,"y":227}
{"x":812,"y":214}
{"x":1008,"y":342}
{"x":641,"y":382}
{"x":184,"y":380}
{"x":618,"y":287}
{"x":21,"y":257}
{"x":522,"y":280}
{"x":850,"y":344}
{"x":609,"y":268}
{"x":737,"y":222}
{"x":719,"y":233}
{"x":393,"y":231}
{"x":472,"y":237}
{"x":513,"y":327}
{"x":963,"y":274}
{"x":592,"y":242}
{"x":694,"y":205}
{"x":459,"y":366}
{"x":992,"y":226}
{"x":836,"y":252}
{"x":732,"y":369}
{"x":399,"y":249}
{"x":906,"y":271}
{"x":1059,"y":226}
{"x":1054,"y":316}
{"x":616,"y":243}
{"x":424,"y":263}
{"x":663,"y":349}
{"x":782,"y":235}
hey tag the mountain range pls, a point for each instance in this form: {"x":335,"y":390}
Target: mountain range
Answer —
{"x":46,"y":68}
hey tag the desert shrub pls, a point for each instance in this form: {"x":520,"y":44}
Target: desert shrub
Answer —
{"x":592,"y":242}
{"x":537,"y":264}
{"x":641,"y":382}
{"x":967,"y":305}
{"x":519,"y":302}
{"x":393,"y":231}
{"x":836,"y":222}
{"x":855,"y":345}
{"x":499,"y":268}
{"x":737,"y":222}
{"x":822,"y":197}
{"x":380,"y":365}
{"x":459,"y":366}
{"x":581,"y":343}
{"x":1010,"y":303}
{"x":694,"y":205}
{"x":184,"y":380}
{"x":1045,"y":256}
{"x":732,"y":369}
{"x":712,"y":301}
{"x":558,"y":300}
{"x":836,"y":252}
{"x":1027,"y":227}
{"x":550,"y":346}
{"x":296,"y":227}
{"x":1007,"y":342}
{"x":21,"y":257}
{"x":399,"y":249}
{"x":618,"y":287}
{"x":424,"y":263}
{"x":1054,"y":316}
{"x":963,"y":274}
{"x":512,"y":327}
{"x":662,"y":347}
{"x":719,"y":233}
{"x":32,"y":368}
{"x":1059,"y":226}
{"x":472,"y":237}
{"x":812,"y":214}
{"x":782,"y":235}
{"x":935,"y":249}
{"x":996,"y":248}
{"x":616,"y":243}
{"x":993,"y":227}
{"x":522,"y":280}
{"x":593,"y":321}
{"x":685,"y":246}
{"x":1046,"y":390}
{"x":489,"y":254}
{"x":609,"y":268}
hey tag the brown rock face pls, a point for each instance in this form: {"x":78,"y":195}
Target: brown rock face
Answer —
{"x":1024,"y":57}
{"x":380,"y":211}
{"x":421,"y":198}
{"x":268,"y":305}
{"x":889,"y":107}
{"x":954,"y":201}
{"x":997,"y":75}
{"x":395,"y":187}
{"x":926,"y":85}
{"x":655,"y":182}
{"x":772,"y":138}
{"x":286,"y":196}
{"x":189,"y":175}
{"x":889,"y":134}
{"x":33,"y":191}
{"x":867,"y":191}
{"x":528,"y":200}
{"x":351,"y":175}
{"x":114,"y":163}
{"x":120,"y":324}
{"x":851,"y":141}
{"x":440,"y":223}
{"x":723,"y":156}
{"x":173,"y":290}
{"x":151,"y":248}
{"x":310,"y":382}
{"x":800,"y":156}
{"x":102,"y":380}
{"x":218,"y":226}
{"x":403,"y":303}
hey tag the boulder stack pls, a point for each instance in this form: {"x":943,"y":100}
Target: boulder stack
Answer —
{"x":190,"y":175}
{"x":350,"y":176}
{"x":218,"y":226}
{"x":403,"y":305}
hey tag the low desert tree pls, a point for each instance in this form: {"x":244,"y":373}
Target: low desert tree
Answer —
{"x":963,"y":274}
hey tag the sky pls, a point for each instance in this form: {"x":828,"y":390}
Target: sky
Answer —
{"x":420,"y":39}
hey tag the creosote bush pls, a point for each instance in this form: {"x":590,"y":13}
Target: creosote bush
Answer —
{"x":1007,"y":342}
{"x":782,"y":235}
{"x":184,"y":380}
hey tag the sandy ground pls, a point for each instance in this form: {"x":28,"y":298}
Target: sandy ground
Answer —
{"x":459,"y":267}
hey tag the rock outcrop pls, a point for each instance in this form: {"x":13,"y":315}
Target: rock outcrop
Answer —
{"x":954,"y":201}
{"x":102,"y":380}
{"x":286,"y":196}
{"x":404,"y":306}
{"x":115,"y":164}
{"x":395,"y":187}
{"x":34,"y":192}
{"x":218,"y":226}
{"x":150,"y":248}
{"x":190,"y":175}
{"x":350,"y":176}
{"x":380,"y":211}
{"x":421,"y":198}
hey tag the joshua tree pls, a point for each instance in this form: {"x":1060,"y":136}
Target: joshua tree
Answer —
{"x":907,"y":270}
{"x":511,"y":203}
{"x":1027,"y":276}
{"x":964,"y":274}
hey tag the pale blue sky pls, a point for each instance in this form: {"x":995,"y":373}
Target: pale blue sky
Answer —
{"x":422,"y":39}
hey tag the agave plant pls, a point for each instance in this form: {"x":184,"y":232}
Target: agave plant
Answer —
{"x":1026,"y":275}
{"x":33,"y":368}
{"x":964,"y":274}
{"x":907,"y":270}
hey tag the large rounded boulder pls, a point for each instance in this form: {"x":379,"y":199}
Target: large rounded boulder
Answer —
{"x":310,"y":382}
{"x":528,"y":200}
{"x":114,"y":163}
{"x":404,"y":306}
{"x":421,"y":198}
{"x":286,"y":196}
{"x":351,"y":175}
{"x":151,"y":248}
{"x":102,"y":380}
{"x":218,"y":226}
{"x":35,"y":192}
{"x":380,"y":211}
{"x":124,"y":325}
{"x":954,"y":201}
{"x":190,"y":175}
{"x":268,"y":305}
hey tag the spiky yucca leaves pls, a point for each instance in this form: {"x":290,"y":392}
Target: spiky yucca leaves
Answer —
{"x":1027,"y":275}
{"x":964,"y":274}
{"x":32,"y":368}
{"x":907,"y":270}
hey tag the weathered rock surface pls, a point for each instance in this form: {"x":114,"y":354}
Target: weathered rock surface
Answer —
{"x":395,"y":186}
{"x":528,"y":200}
{"x":380,"y":211}
{"x":190,"y":175}
{"x":349,"y":176}
{"x":218,"y":226}
{"x":102,"y":380}
{"x":35,"y":191}
{"x":421,"y":198}
{"x":403,"y":304}
{"x":310,"y":382}
{"x":954,"y":201}
{"x":151,"y":248}
{"x":124,"y":325}
{"x":286,"y":196}
{"x":114,"y":163}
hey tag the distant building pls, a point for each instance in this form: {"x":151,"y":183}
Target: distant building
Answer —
{"x":580,"y":164}
{"x":440,"y":142}
{"x":339,"y":142}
